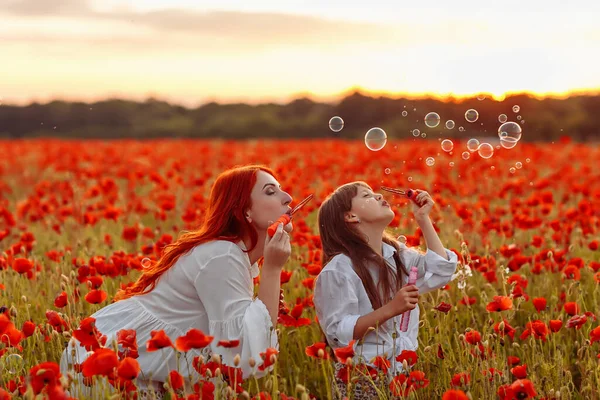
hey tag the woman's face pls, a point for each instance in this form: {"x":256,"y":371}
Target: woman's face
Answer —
{"x":269,"y":202}
{"x":369,"y":207}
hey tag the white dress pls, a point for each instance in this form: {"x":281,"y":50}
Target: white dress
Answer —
{"x":210,"y":289}
{"x":340,"y":299}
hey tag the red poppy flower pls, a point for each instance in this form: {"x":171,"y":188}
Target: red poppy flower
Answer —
{"x":193,"y":339}
{"x":127,"y":339}
{"x":96,"y":296}
{"x":539,"y":303}
{"x":461,"y":378}
{"x":513,"y":360}
{"x":269,"y":358}
{"x":595,"y":335}
{"x":473,"y":337}
{"x":576,"y":321}
{"x":454,"y":395}
{"x":176,"y":380}
{"x":44,"y":375}
{"x":102,"y":362}
{"x":88,"y":335}
{"x":317,"y":350}
{"x":555,"y":325}
{"x":228,"y":343}
{"x":500,"y":303}
{"x":520,"y":371}
{"x":344,"y":353}
{"x":61,"y":300}
{"x":571,"y":308}
{"x":158,"y":340}
{"x":523,"y":389}
{"x":443,"y":307}
{"x":381,"y":363}
{"x":128,"y":368}
{"x":408,"y":355}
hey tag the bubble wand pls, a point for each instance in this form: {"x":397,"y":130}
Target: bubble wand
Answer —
{"x":286,"y":218}
{"x":412,"y":279}
{"x":410,"y":193}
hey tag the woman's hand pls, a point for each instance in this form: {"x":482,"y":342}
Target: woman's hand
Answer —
{"x":422,"y":205}
{"x":277,"y":249}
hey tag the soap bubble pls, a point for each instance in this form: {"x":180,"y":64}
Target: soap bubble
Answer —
{"x":471,"y":115}
{"x":416,"y":132}
{"x":461,"y":129}
{"x":410,"y":178}
{"x":502,"y":118}
{"x":510,"y":130}
{"x":375,"y":139}
{"x":473,"y":144}
{"x":387,"y":171}
{"x":336,"y":124}
{"x":512,"y":170}
{"x":404,"y":113}
{"x":430,"y":161}
{"x":447,"y":145}
{"x":432,"y":120}
{"x":508,"y":143}
{"x":13,"y":363}
{"x":486,"y":150}
{"x":450,"y":124}
{"x":423,"y":135}
{"x":466,"y":155}
{"x":146,"y":262}
{"x":481,"y":97}
{"x":519,"y":117}
{"x":451,"y":163}
{"x":519,"y":165}
{"x":516,"y":109}
{"x":401,"y":239}
{"x":527,"y":160}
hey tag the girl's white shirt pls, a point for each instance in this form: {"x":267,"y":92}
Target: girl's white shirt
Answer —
{"x":211,"y":289}
{"x":341,"y":299}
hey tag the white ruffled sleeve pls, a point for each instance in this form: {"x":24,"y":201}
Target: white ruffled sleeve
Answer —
{"x":225,"y":287}
{"x":336,"y":304}
{"x":434,"y":270}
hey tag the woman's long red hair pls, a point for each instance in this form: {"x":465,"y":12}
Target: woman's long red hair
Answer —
{"x":224,"y":220}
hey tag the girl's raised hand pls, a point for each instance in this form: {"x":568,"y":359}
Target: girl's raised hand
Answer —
{"x":277,"y":249}
{"x":422,"y":204}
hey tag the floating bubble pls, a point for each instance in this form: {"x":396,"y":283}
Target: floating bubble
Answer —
{"x":512,"y":170}
{"x":447,"y":145}
{"x":451,"y":163}
{"x":486,"y":150}
{"x":461,"y":129}
{"x":13,"y":363}
{"x":508,"y":143}
{"x":375,"y":139}
{"x":516,"y":109}
{"x":416,"y":132}
{"x":522,"y":121}
{"x":466,"y":155}
{"x":473,"y":144}
{"x":528,"y":160}
{"x":519,"y":117}
{"x":423,"y":135}
{"x":519,"y":165}
{"x":401,"y":239}
{"x":146,"y":262}
{"x":471,"y":115}
{"x":404,"y":113}
{"x":502,"y":118}
{"x":410,"y":178}
{"x":450,"y":124}
{"x":387,"y":171}
{"x":430,"y":161}
{"x":336,"y":124}
{"x":432,"y":120}
{"x":481,"y":97}
{"x":510,"y":130}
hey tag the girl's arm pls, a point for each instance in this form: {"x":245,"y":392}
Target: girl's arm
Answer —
{"x":422,"y":217}
{"x":372,"y":320}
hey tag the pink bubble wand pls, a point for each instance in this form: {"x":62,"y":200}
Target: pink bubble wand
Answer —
{"x":412,"y":279}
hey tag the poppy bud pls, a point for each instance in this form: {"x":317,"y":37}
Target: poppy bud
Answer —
{"x":236,"y":360}
{"x":252,"y":362}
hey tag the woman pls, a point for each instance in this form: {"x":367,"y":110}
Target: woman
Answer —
{"x":204,"y":280}
{"x":362,"y":292}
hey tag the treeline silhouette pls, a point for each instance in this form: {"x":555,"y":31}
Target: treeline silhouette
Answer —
{"x":546,"y":119}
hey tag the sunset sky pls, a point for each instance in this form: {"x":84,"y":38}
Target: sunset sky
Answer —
{"x":194,"y":51}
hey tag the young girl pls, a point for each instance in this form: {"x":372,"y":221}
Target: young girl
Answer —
{"x":362,"y":291}
{"x":205,"y":281}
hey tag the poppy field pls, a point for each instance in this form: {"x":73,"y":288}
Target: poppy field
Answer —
{"x":518,"y":321}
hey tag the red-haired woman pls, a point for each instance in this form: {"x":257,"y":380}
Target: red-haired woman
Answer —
{"x":204,"y":280}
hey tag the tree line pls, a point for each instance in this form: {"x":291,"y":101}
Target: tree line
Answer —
{"x":545,"y":119}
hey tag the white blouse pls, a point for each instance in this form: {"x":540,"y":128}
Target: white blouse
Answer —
{"x":211,"y":289}
{"x":340,"y":299}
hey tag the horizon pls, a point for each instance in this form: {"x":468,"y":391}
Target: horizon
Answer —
{"x":229,"y":51}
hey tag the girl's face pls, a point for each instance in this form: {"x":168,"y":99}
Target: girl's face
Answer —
{"x":369,"y":207}
{"x":268,"y":201}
